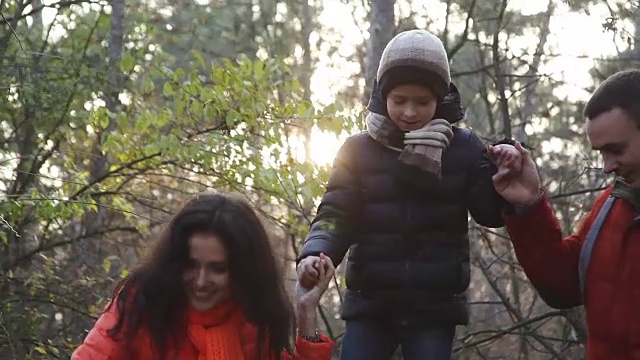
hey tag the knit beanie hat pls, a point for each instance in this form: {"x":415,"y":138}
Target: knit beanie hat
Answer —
{"x":414,"y":57}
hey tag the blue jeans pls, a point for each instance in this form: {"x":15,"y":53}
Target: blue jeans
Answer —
{"x":378,"y":340}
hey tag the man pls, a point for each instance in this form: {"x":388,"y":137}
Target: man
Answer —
{"x":608,"y":284}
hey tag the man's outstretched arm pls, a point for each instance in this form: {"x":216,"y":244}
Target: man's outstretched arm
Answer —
{"x":549,"y":260}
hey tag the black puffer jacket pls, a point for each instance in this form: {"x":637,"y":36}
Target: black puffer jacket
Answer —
{"x":407,"y":229}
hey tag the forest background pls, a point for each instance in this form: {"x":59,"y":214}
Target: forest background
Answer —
{"x":113,"y":113}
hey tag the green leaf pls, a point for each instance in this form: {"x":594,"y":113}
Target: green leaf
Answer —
{"x":179,"y":106}
{"x":258,"y":68}
{"x":231,"y":118}
{"x":106,"y":265}
{"x":127,"y":62}
{"x":104,"y":120}
{"x":167,"y":89}
{"x":196,"y":54}
{"x":148,"y":86}
{"x":179,"y":73}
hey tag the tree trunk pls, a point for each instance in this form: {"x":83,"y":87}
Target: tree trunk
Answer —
{"x":528,"y":106}
{"x":636,"y":35}
{"x":92,"y":220}
{"x":381,"y":30}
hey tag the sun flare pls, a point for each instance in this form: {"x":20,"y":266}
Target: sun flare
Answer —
{"x":323,"y":147}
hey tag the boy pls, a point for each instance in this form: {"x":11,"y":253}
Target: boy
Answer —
{"x":399,"y":196}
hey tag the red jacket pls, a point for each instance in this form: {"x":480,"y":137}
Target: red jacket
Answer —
{"x":612,"y":287}
{"x":99,"y":346}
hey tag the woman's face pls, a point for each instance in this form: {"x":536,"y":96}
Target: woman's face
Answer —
{"x":206,"y":278}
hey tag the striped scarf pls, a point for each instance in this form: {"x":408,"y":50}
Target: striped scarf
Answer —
{"x":425,"y":146}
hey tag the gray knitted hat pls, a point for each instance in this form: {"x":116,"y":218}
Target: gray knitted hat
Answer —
{"x":410,"y":51}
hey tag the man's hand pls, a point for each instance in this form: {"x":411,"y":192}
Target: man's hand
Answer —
{"x":517,"y":179}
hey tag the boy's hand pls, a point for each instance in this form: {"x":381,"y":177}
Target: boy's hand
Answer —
{"x":517,"y":179}
{"x":308,"y":272}
{"x":506,"y":157}
{"x":307,"y":297}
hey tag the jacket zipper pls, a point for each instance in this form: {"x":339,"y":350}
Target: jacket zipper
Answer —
{"x":404,"y":294}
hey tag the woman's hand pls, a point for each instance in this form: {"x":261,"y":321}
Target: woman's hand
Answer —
{"x":308,"y":298}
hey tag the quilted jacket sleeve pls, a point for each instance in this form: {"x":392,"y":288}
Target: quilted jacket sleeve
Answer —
{"x":306,"y":350}
{"x":98,"y":345}
{"x":549,"y":260}
{"x":332,"y":230}
{"x":483,"y":201}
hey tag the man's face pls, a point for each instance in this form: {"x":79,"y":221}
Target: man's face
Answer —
{"x":617,"y":137}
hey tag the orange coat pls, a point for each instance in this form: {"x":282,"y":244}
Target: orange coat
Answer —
{"x":612,"y":303}
{"x":232,"y":338}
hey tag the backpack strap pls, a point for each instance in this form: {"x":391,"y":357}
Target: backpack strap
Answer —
{"x":590,"y":241}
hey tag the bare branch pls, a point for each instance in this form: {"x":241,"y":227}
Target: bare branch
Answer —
{"x":500,"y":84}
{"x":464,"y":37}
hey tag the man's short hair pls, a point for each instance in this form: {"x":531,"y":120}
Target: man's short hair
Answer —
{"x":620,"y":90}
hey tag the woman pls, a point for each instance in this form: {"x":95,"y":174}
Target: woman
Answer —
{"x":209,"y":290}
